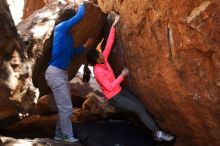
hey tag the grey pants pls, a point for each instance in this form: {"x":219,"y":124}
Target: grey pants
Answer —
{"x":125,"y":101}
{"x":57,"y":80}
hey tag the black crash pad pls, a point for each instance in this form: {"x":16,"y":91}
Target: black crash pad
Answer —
{"x":116,"y":133}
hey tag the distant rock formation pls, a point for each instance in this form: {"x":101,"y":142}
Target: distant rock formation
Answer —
{"x":30,"y":6}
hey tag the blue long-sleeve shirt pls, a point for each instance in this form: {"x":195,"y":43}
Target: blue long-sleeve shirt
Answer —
{"x":63,"y":49}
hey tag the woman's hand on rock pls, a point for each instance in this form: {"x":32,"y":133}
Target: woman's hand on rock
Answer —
{"x":125,"y":72}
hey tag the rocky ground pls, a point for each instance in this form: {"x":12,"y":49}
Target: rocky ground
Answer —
{"x":8,"y":141}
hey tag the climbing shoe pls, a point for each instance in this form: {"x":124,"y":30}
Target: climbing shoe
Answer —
{"x":71,"y":140}
{"x":162,"y":136}
{"x":58,"y":137}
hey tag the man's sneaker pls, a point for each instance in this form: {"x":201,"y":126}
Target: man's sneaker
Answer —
{"x":71,"y":140}
{"x":58,"y":137}
{"x":160,"y":136}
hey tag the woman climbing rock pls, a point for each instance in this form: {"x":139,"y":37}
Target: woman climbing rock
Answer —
{"x":118,"y":97}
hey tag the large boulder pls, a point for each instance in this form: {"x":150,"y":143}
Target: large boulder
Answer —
{"x":172,"y":51}
{"x":88,"y":102}
{"x":95,"y":107}
{"x":16,"y":88}
{"x":37,"y":33}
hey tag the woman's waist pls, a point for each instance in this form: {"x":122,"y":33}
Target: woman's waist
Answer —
{"x":112,"y":93}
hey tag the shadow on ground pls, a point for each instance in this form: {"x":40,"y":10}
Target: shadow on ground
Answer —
{"x":108,"y":133}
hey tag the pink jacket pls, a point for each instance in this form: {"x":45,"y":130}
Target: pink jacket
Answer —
{"x":104,"y":74}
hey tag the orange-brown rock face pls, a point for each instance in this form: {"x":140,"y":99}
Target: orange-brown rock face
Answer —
{"x":172,"y":49}
{"x":16,"y":88}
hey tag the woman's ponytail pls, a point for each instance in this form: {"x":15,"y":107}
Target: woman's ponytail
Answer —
{"x":86,"y":73}
{"x":91,"y":56}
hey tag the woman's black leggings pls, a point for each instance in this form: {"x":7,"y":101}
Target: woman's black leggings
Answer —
{"x":125,"y":101}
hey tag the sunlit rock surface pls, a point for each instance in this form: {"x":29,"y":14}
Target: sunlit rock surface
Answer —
{"x":16,"y":87}
{"x":172,"y":49}
{"x":8,"y":141}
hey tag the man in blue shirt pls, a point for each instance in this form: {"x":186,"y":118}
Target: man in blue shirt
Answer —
{"x":63,"y":52}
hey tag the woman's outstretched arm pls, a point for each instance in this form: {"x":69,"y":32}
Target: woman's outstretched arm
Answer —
{"x":111,"y":38}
